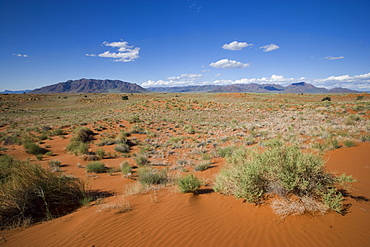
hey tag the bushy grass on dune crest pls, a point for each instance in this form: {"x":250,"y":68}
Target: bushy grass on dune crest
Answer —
{"x":280,"y":170}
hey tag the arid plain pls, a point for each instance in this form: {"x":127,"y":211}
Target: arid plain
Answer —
{"x":175,"y":135}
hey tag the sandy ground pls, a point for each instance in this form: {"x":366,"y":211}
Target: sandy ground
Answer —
{"x":167,"y":218}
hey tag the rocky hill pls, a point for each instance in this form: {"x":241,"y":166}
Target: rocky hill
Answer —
{"x":91,"y":86}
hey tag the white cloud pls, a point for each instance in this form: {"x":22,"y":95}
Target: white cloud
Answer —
{"x":274,"y":79}
{"x":229,"y":64}
{"x":20,"y":55}
{"x":269,"y":47}
{"x":235,"y":46}
{"x":181,"y":80}
{"x":333,"y":58}
{"x":218,"y":74}
{"x":125,"y":52}
{"x":357,"y":82}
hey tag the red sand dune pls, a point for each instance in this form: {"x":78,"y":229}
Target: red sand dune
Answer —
{"x":168,"y":218}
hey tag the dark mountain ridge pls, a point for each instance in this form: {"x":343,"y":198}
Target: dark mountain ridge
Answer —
{"x":91,"y":86}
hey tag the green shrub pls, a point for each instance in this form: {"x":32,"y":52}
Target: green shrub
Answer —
{"x":121,"y":137}
{"x":349,"y":143}
{"x":189,"y":184}
{"x":33,"y":148}
{"x":152,"y":176}
{"x":125,"y":168}
{"x":189,"y":129}
{"x":83,"y":134}
{"x":122,"y":148}
{"x":95,"y":166}
{"x":100,"y":153}
{"x":326,"y":99}
{"x":77,"y":147}
{"x":282,"y":170}
{"x":203,"y":165}
{"x":30,"y":192}
{"x":141,"y":159}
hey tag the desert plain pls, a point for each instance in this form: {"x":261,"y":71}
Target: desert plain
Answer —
{"x":175,"y":135}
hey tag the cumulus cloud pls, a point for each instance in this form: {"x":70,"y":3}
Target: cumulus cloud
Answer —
{"x":270,"y":47}
{"x":235,"y":46}
{"x":20,"y":55}
{"x":229,"y":64}
{"x":181,"y":80}
{"x":356,"y":82}
{"x":333,"y":58}
{"x":126,"y":53}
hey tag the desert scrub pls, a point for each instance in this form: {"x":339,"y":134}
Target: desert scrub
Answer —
{"x":33,"y":148}
{"x":30,"y":192}
{"x":100,"y":153}
{"x":95,"y":166}
{"x":77,"y":147}
{"x":54,"y":165}
{"x":189,"y":129}
{"x":141,"y":159}
{"x":152,"y":176}
{"x":122,"y":148}
{"x":203,"y":165}
{"x":349,"y":143}
{"x":83,"y":134}
{"x":189,"y":184}
{"x":125,"y":168}
{"x":281,"y":170}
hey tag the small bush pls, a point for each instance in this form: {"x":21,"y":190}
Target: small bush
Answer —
{"x":203,"y":165}
{"x":141,"y":159}
{"x":349,"y":143}
{"x":83,"y":134}
{"x":121,"y":137}
{"x":326,"y":99}
{"x":77,"y":147}
{"x":54,"y":165}
{"x":95,"y":166}
{"x":189,"y":129}
{"x":122,"y":148}
{"x":33,"y":148}
{"x":152,"y":176}
{"x":189,"y":184}
{"x":125,"y":168}
{"x":124,"y":97}
{"x":100,"y":153}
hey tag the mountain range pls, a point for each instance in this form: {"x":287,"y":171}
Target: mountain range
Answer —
{"x":92,"y":86}
{"x":116,"y":86}
{"x":299,"y":87}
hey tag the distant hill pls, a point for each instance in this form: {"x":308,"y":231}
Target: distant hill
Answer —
{"x":251,"y":87}
{"x":15,"y":92}
{"x":91,"y":86}
{"x":299,"y":87}
{"x":184,"y":89}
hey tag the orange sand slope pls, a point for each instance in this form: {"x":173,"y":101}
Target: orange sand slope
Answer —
{"x":168,"y":218}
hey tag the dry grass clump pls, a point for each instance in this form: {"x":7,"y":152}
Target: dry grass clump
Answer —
{"x":281,"y":170}
{"x":284,"y":207}
{"x":118,"y":207}
{"x":30,"y":193}
{"x":79,"y":143}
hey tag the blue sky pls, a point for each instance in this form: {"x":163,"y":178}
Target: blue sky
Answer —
{"x":185,"y":42}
